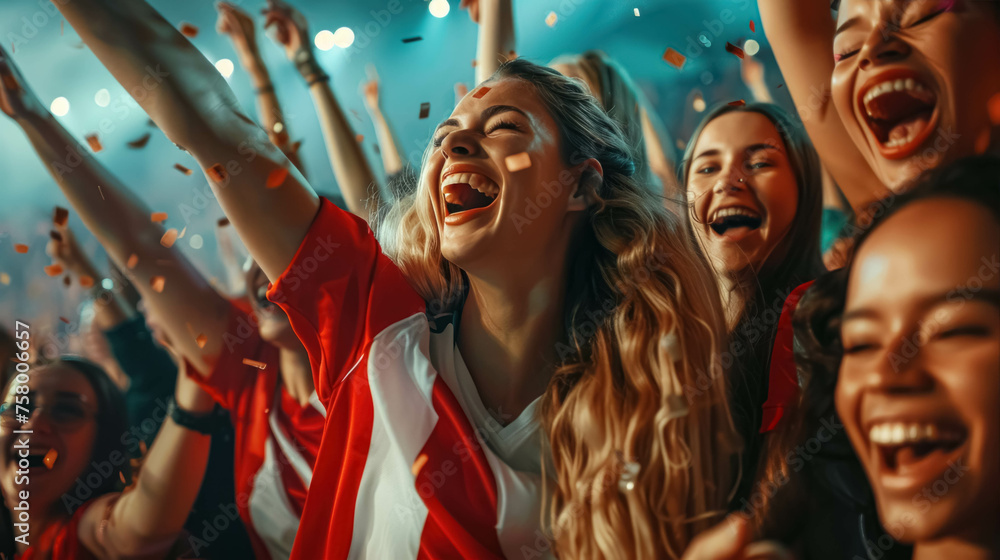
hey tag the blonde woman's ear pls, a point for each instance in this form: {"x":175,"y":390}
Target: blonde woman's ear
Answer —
{"x":591,"y":179}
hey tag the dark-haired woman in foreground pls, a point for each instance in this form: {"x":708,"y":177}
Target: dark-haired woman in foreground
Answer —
{"x":77,"y":467}
{"x":907,"y":338}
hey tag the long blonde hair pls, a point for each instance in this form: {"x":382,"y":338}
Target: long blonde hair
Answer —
{"x":636,"y":414}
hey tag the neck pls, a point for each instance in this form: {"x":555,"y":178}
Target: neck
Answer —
{"x":296,"y":374}
{"x":958,"y":548}
{"x":733,"y":299}
{"x":508,"y":335}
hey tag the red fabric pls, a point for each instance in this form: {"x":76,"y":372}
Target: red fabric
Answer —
{"x":783,"y":379}
{"x":63,"y":539}
{"x":248,"y":394}
{"x":340,"y":291}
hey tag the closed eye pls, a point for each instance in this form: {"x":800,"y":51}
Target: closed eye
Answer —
{"x":509,"y":125}
{"x":844,"y":55}
{"x":926,"y":18}
{"x":967,"y":330}
{"x":858,"y":348}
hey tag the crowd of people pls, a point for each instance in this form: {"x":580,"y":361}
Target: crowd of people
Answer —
{"x":556,"y":337}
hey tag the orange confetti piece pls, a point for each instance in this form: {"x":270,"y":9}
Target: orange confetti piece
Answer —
{"x":276,"y":178}
{"x":223,"y":222}
{"x":425,"y":110}
{"x":95,"y":143}
{"x":419,"y":464}
{"x":473,"y":63}
{"x":140,"y":142}
{"x":20,"y":248}
{"x":64,"y":320}
{"x":50,"y":458}
{"x":517,"y":162}
{"x":481,"y":92}
{"x":752,"y":27}
{"x":133,"y":260}
{"x":551,"y":19}
{"x":217,"y":173}
{"x":254,"y":363}
{"x":86,"y":281}
{"x":201,"y":340}
{"x":157,"y":283}
{"x":60,"y":216}
{"x":121,"y":476}
{"x":994,"y":107}
{"x":169,"y":238}
{"x":737,"y":103}
{"x":4,"y":278}
{"x":189,"y":30}
{"x":182,"y":169}
{"x":674,"y":58}
{"x":359,"y":138}
{"x":158,"y":217}
{"x":143,"y":447}
{"x":54,"y":269}
{"x":731,"y":48}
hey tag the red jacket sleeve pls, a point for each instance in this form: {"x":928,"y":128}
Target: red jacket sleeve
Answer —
{"x":339,"y":292}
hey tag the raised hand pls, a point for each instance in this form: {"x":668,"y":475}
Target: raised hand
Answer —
{"x":239,"y":26}
{"x":291,"y":29}
{"x":17,"y":100}
{"x":65,"y":251}
{"x":752,"y":71}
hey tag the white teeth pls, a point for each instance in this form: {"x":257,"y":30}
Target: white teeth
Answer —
{"x":733,"y":211}
{"x":899,"y":141}
{"x":479,"y":182}
{"x":899,"y":433}
{"x":891,"y":85}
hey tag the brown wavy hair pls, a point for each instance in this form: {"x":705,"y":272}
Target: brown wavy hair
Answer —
{"x":639,"y":392}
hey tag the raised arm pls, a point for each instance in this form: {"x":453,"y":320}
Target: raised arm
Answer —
{"x":496,"y":41}
{"x":801,"y":34}
{"x":144,"y":522}
{"x":190,"y":101}
{"x":183,"y":301}
{"x":350,"y":167}
{"x":238,"y":26}
{"x":388,"y":144}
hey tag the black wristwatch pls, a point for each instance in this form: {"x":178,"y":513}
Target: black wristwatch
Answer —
{"x":202,"y":423}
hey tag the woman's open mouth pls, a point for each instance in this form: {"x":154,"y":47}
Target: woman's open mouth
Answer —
{"x":913,"y":453}
{"x":900,"y":110}
{"x":466,"y":194}
{"x":735,"y":222}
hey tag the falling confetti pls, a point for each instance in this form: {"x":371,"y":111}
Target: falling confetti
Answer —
{"x":201,"y":340}
{"x":737,"y":103}
{"x":674,"y":58}
{"x":779,"y":85}
{"x":50,"y":458}
{"x":133,"y":260}
{"x":419,"y":464}
{"x":254,"y":363}
{"x":481,"y":92}
{"x":182,"y":169}
{"x":994,"y":108}
{"x":413,"y":39}
{"x":56,"y":235}
{"x":156,"y":217}
{"x":95,"y":143}
{"x":359,"y":138}
{"x":276,"y":178}
{"x":142,"y":447}
{"x":86,"y":281}
{"x":4,"y":278}
{"x":140,"y":142}
{"x":60,"y":215}
{"x":64,"y":320}
{"x":551,"y":19}
{"x":217,"y":173}
{"x":189,"y":30}
{"x":67,"y":281}
{"x":156,"y":283}
{"x":169,"y":238}
{"x":636,"y":11}
{"x":121,"y":476}
{"x":425,"y":110}
{"x":517,"y":162}
{"x":20,"y":248}
{"x":223,"y":222}
{"x":54,"y":269}
{"x":752,"y":27}
{"x":731,"y":48}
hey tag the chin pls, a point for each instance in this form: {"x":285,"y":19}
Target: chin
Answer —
{"x":919,"y":520}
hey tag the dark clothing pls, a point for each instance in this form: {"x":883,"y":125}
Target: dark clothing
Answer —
{"x":153,"y":376}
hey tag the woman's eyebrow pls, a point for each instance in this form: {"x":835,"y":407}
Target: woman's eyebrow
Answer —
{"x":851,"y":22}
